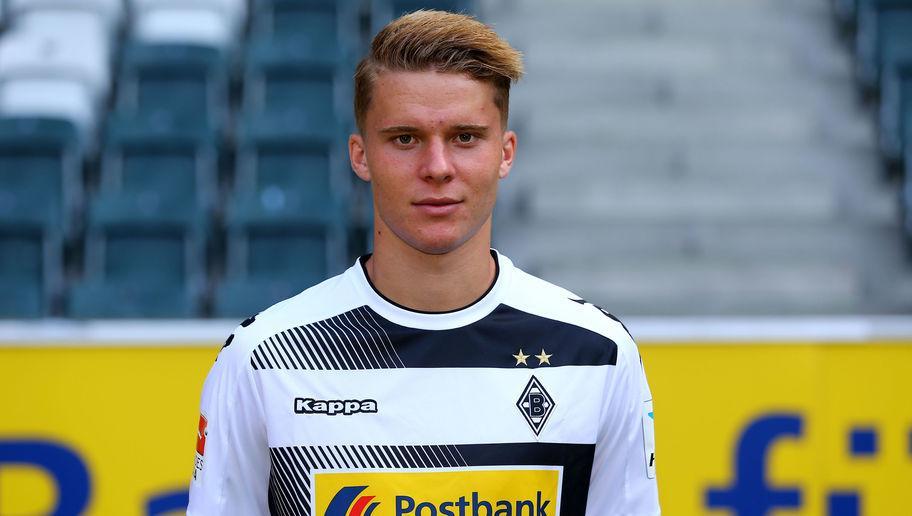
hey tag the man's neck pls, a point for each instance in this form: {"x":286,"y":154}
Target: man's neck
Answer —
{"x":428,"y":282}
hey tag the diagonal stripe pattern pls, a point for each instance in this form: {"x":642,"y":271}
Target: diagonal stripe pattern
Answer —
{"x":351,"y":340}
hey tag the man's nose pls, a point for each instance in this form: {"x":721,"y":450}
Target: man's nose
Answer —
{"x":438,"y":165}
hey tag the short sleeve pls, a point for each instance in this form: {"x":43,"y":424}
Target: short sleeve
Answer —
{"x":623,"y":478}
{"x":231,"y":469}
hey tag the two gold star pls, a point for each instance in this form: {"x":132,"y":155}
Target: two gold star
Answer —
{"x":543,"y":358}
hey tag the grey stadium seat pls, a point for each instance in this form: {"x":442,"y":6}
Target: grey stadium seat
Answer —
{"x":109,"y":12}
{"x":214,"y":23}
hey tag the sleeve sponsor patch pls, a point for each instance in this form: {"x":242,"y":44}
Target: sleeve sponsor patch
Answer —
{"x":201,"y":434}
{"x":649,"y":438}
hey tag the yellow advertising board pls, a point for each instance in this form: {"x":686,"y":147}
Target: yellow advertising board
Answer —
{"x":783,"y":429}
{"x":744,"y":429}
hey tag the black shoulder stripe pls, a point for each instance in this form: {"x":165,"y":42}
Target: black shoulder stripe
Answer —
{"x":248,"y":321}
{"x":616,"y":320}
{"x":606,"y":313}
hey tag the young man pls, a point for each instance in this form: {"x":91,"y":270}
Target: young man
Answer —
{"x":433,"y":377}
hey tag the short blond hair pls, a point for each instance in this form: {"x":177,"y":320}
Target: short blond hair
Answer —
{"x":444,"y":42}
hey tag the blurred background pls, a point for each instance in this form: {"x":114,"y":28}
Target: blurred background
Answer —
{"x":732,"y":178}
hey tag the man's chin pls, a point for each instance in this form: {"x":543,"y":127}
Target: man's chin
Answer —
{"x":438,"y":246}
{"x":436,"y":249}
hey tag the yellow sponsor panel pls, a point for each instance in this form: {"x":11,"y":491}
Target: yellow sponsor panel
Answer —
{"x":774,"y":428}
{"x":128,"y":414}
{"x":747,"y":426}
{"x":492,"y":491}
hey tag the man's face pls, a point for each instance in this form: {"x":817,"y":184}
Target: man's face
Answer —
{"x":433,"y":147}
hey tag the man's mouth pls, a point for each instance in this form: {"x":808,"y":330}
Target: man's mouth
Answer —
{"x":437,"y":206}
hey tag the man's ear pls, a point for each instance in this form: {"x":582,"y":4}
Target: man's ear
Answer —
{"x":508,"y":150}
{"x":358,"y":157}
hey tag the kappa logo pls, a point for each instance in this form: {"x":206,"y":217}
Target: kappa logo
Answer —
{"x":349,"y":502}
{"x":334,"y":407}
{"x":535,"y":404}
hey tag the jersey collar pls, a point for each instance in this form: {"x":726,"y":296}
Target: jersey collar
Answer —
{"x":404,"y":316}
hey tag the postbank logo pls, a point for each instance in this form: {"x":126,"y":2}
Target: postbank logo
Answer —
{"x":473,"y":491}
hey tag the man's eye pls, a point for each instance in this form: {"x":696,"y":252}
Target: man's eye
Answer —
{"x":404,"y":139}
{"x":466,"y":138}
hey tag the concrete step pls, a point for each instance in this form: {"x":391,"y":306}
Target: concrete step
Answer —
{"x":677,"y":56}
{"x":685,"y":125}
{"x":659,"y":88}
{"x":849,"y":179}
{"x":591,"y":245}
{"x":719,"y":18}
{"x":645,"y":200}
{"x":575,"y":162}
{"x":697,"y":157}
{"x":682,"y":288}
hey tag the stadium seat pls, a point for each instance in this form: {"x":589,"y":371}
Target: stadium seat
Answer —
{"x":278,"y":244}
{"x":22,"y":273}
{"x":904,"y":101}
{"x":845,"y":11}
{"x":147,"y":291}
{"x":163,"y":165}
{"x":40,"y":175}
{"x":895,"y":38}
{"x":145,"y":240}
{"x":40,"y":196}
{"x":58,"y":52}
{"x":869,"y":41}
{"x":234,"y":10}
{"x":287,"y":76}
{"x":906,"y":191}
{"x":241,"y":297}
{"x":274,"y":157}
{"x":61,"y":99}
{"x":271,"y":257}
{"x":194,"y":26}
{"x":215,"y":23}
{"x":138,"y":265}
{"x":184,"y":83}
{"x":109,"y":12}
{"x":323,"y":24}
{"x":382,"y":11}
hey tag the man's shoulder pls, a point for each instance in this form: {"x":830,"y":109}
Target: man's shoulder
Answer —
{"x":329,"y":298}
{"x":536,"y":296}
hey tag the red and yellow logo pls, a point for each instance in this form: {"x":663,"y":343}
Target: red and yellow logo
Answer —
{"x":201,"y":435}
{"x":473,"y":491}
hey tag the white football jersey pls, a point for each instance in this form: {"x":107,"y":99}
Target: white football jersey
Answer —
{"x":339,"y":402}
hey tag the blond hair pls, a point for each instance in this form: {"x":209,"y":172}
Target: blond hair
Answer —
{"x":444,"y":42}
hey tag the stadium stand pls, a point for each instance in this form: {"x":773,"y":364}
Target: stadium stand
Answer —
{"x":40,"y":192}
{"x":157,"y":154}
{"x":156,"y":195}
{"x":56,"y":66}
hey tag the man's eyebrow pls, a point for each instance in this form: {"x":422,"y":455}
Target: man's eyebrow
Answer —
{"x":471,"y":127}
{"x":399,"y":129}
